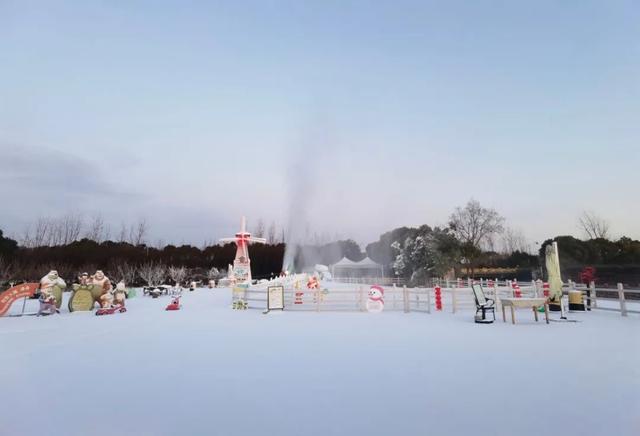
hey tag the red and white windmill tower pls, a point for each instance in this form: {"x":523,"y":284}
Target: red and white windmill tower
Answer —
{"x":242,"y":264}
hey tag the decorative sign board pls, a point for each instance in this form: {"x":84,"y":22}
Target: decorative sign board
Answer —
{"x":275,"y":298}
{"x":82,"y":299}
{"x":15,"y":293}
{"x":241,"y":271}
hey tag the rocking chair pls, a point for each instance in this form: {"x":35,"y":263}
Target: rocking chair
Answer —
{"x":484,"y":305}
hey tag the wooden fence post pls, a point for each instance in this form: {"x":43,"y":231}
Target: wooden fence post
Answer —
{"x":623,"y":303}
{"x":395,"y":292}
{"x":594,"y":299}
{"x":317,"y":291}
{"x":405,"y":299}
{"x":429,"y":300}
{"x":453,"y":300}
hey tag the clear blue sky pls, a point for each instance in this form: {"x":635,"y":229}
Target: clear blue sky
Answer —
{"x":370,"y":114}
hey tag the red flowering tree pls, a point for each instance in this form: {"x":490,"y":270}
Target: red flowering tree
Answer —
{"x":588,"y":275}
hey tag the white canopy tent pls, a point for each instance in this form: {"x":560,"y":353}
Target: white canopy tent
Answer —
{"x":364,"y":268}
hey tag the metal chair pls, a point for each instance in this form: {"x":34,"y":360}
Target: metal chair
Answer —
{"x":483,"y":304}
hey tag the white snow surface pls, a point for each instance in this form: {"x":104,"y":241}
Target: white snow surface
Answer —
{"x":210,"y":370}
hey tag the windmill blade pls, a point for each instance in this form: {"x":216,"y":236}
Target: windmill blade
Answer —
{"x":258,"y":240}
{"x":228,"y":240}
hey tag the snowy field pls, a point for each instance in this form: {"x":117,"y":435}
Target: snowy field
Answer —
{"x":209,"y":370}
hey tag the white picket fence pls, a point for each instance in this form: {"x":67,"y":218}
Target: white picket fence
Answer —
{"x":342,"y":299}
{"x":615,"y":299}
{"x":457,"y":296}
{"x":381,"y":281}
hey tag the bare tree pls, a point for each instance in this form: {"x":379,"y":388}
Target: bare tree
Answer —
{"x":126,"y":272}
{"x":41,"y":232}
{"x":26,"y":240}
{"x":593,"y":226}
{"x":152,"y":273}
{"x":138,"y":232}
{"x":514,"y":240}
{"x":122,"y":234}
{"x":70,"y":227}
{"x":258,"y":232}
{"x":271,"y":234}
{"x":49,"y":232}
{"x":177,"y":274}
{"x":473,"y":225}
{"x":6,"y":270}
{"x":97,"y":230}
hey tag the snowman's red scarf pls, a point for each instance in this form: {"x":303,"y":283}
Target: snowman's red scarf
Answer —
{"x":377,"y":299}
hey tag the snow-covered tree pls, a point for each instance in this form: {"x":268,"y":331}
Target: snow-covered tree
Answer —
{"x":213,"y":273}
{"x":177,"y":274}
{"x":126,"y":272}
{"x":152,"y":273}
{"x":428,"y":253}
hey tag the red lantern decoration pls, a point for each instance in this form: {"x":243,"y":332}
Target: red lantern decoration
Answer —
{"x":438,"y":293}
{"x":517,"y":292}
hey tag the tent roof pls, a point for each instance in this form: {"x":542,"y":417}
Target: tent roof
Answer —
{"x":364,"y":263}
{"x":345,"y":262}
{"x":367,"y":262}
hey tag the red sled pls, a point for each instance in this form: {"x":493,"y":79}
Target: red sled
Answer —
{"x":111,"y":310}
{"x":174,"y":305}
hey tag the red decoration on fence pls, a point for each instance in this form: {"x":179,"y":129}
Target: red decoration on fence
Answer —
{"x":517,"y":292}
{"x":545,"y":289}
{"x":298,"y":299}
{"x":516,"y":289}
{"x":438,"y":292}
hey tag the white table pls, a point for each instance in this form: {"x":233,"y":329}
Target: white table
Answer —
{"x":533,"y":303}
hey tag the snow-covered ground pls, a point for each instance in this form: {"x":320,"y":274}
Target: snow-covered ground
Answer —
{"x":209,"y":370}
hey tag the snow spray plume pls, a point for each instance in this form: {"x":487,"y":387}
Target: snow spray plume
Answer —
{"x":303,"y":175}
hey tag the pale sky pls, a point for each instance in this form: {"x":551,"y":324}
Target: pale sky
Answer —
{"x":356,"y":116}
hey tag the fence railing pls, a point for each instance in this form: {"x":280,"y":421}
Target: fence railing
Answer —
{"x":420,"y":299}
{"x":382,"y":281}
{"x":460,"y":296}
{"x":341,"y":299}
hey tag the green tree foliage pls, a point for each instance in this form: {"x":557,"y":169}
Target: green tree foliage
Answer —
{"x":8,"y":246}
{"x":576,"y":252}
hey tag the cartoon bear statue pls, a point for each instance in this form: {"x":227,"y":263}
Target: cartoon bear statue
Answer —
{"x":375,"y":301}
{"x":120,"y":294}
{"x":53,"y":285}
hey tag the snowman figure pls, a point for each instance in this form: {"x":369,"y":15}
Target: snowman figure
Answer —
{"x":375,"y":302}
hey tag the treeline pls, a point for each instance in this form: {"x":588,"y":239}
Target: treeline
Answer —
{"x":614,"y":260}
{"x":117,"y":259}
{"x":475,"y":243}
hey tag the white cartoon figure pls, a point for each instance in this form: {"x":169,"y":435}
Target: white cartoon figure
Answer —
{"x":375,"y":302}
